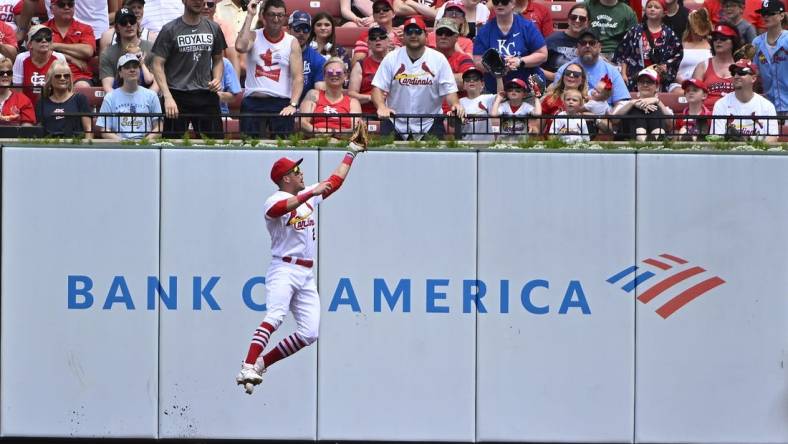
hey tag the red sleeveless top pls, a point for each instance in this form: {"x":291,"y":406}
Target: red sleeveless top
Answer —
{"x":717,"y":85}
{"x":324,"y":106}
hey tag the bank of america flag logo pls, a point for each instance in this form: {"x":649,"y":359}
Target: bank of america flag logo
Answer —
{"x":668,"y":276}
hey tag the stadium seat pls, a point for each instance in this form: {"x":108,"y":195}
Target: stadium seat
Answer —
{"x":676,"y":102}
{"x":559,"y":11}
{"x":232,"y":129}
{"x":95,"y":96}
{"x":348,"y":36}
{"x":314,"y":6}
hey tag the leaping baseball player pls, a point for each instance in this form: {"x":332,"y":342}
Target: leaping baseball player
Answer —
{"x":289,"y":282}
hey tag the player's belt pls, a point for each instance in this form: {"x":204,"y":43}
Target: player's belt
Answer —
{"x":302,"y":262}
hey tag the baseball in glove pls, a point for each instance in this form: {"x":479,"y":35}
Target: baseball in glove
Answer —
{"x":492,"y":61}
{"x":359,"y":140}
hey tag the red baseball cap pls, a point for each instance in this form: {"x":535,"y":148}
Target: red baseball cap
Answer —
{"x":744,"y":64}
{"x":519,"y":82}
{"x":650,"y":73}
{"x":415,"y":20}
{"x":697,"y":83}
{"x":471,"y":68}
{"x":282,"y":167}
{"x":458,"y":4}
{"x":726,"y":30}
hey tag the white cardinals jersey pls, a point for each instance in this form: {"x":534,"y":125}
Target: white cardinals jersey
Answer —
{"x":268,"y":66}
{"x":295,"y":233}
{"x":479,"y":106}
{"x":570,"y":130}
{"x":514,"y":126}
{"x":758,"y":106}
{"x":415,"y":87}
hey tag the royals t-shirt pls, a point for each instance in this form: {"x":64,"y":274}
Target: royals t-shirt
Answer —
{"x":188,"y":51}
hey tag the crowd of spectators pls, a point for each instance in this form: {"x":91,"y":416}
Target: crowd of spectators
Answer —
{"x":642,"y":69}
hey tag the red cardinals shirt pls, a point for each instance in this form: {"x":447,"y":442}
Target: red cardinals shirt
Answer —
{"x":17,"y":109}
{"x":77,"y":32}
{"x":325,"y":106}
{"x":31,"y":76}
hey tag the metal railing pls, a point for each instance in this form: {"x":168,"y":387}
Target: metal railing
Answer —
{"x":472,"y":128}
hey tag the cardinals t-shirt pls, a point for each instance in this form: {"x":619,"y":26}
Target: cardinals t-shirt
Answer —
{"x":30,"y":76}
{"x":415,"y":86}
{"x":479,"y":106}
{"x":268,"y":66}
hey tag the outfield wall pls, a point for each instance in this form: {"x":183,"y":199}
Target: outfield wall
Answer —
{"x":466,"y":296}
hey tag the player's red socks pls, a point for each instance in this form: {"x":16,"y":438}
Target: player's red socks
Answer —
{"x":285,"y":348}
{"x":259,"y":341}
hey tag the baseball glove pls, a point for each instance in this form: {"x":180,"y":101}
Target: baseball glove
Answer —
{"x":492,"y":61}
{"x":359,"y":140}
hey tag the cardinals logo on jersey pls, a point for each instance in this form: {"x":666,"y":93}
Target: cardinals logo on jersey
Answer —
{"x":270,"y":68}
{"x":416,"y":79}
{"x":300,"y":222}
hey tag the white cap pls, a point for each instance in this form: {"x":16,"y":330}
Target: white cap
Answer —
{"x":126,"y":58}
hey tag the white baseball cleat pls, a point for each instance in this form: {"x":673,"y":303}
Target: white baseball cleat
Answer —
{"x":249,"y":377}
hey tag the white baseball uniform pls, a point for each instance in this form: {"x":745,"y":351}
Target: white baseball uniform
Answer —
{"x":479,"y":106}
{"x":518,"y":126}
{"x":415,"y":87}
{"x":289,"y":285}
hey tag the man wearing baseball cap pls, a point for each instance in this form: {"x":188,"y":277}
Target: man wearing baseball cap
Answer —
{"x":130,"y":97}
{"x":299,"y":26}
{"x":751,"y":115}
{"x":31,"y":66}
{"x":127,"y":39}
{"x":414,"y":79}
{"x":771,"y":55}
{"x":290,"y":283}
{"x":73,"y":38}
{"x":446,"y":35}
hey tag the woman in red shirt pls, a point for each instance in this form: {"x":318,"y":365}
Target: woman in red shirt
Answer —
{"x":725,"y":41}
{"x":332,"y":102}
{"x":15,"y":107}
{"x":363,"y":72}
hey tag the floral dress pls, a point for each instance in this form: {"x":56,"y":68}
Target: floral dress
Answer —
{"x":636,"y":52}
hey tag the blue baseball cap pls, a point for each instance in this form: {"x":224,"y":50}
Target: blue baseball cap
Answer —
{"x":299,"y":18}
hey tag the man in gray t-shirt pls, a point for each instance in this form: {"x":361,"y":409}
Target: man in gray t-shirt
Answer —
{"x":188,"y":68}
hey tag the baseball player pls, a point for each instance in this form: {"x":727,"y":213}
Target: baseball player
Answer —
{"x":289,"y":282}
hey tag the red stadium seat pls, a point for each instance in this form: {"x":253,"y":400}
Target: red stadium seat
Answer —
{"x":559,"y":10}
{"x":348,"y":36}
{"x":95,"y":96}
{"x":676,"y":102}
{"x":314,"y":6}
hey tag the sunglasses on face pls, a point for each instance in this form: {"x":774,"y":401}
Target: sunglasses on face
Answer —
{"x":444,"y":33}
{"x":381,"y":10}
{"x":414,"y":31}
{"x":8,"y":73}
{"x":501,"y":2}
{"x":332,"y":73}
{"x":127,"y":22}
{"x":296,"y":171}
{"x":577,"y":18}
{"x":472,"y":79}
{"x":454,"y":13}
{"x":376,"y":37}
{"x":573,"y":74}
{"x":515,"y":89}
{"x":209,"y":5}
{"x":720,"y":38}
{"x":62,"y":76}
{"x":303,"y":29}
{"x":582,"y":43}
{"x":741,"y":72}
{"x":39,"y":39}
{"x":65,"y":4}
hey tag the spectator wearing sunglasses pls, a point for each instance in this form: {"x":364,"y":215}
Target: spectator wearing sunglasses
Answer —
{"x":300,"y":26}
{"x":31,"y":66}
{"x":516,"y":38}
{"x":456,"y":14}
{"x":332,"y":102}
{"x":447,"y":34}
{"x":589,"y":49}
{"x":611,"y":19}
{"x":573,"y":77}
{"x":562,"y":45}
{"x":360,"y":87}
{"x":274,"y":71}
{"x":383,"y":13}
{"x":414,"y":79}
{"x":95,"y":14}
{"x":748,"y":110}
{"x":715,"y":72}
{"x":771,"y":55}
{"x":16,"y":108}
{"x":73,"y":39}
{"x":58,"y":98}
{"x":127,"y":37}
{"x":188,"y":68}
{"x":137,"y":8}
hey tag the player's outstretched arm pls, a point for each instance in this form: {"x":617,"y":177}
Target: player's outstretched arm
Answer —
{"x":357,"y":144}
